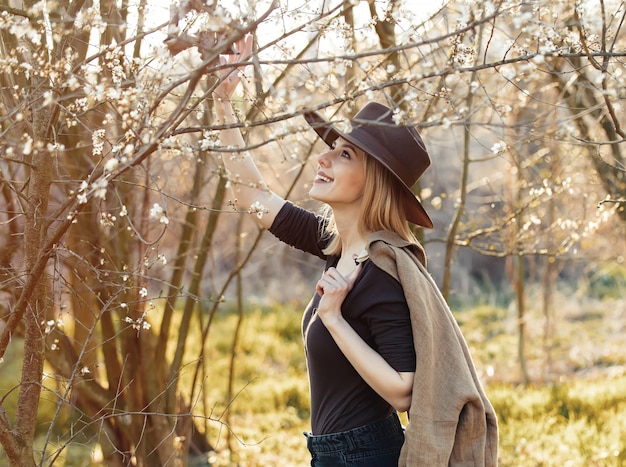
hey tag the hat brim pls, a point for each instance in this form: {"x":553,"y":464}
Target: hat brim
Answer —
{"x":415,"y":212}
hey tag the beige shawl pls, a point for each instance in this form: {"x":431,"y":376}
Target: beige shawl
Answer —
{"x":451,"y":420}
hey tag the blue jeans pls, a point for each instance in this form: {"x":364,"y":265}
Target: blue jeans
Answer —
{"x":375,"y":445}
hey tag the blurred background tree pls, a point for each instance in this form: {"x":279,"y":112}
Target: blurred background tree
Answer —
{"x":119,"y":242}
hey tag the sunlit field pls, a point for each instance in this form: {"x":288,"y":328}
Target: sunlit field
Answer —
{"x":573,"y":416}
{"x":573,"y":413}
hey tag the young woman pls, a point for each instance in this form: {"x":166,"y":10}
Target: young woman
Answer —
{"x":358,"y":329}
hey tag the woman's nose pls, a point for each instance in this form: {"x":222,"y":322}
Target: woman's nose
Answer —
{"x":324,"y":158}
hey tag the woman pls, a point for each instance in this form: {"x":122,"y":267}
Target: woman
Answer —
{"x":358,"y":329}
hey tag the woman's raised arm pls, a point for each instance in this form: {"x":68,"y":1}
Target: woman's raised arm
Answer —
{"x":249,"y":189}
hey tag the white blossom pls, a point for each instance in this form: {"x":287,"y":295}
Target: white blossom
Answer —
{"x":258,"y":209}
{"x":52,"y":324}
{"x":138,"y":324}
{"x":210,"y":139}
{"x":499,"y":148}
{"x":24,"y":29}
{"x":107,"y":219}
{"x":28,"y":145}
{"x":55,"y":147}
{"x":28,"y":68}
{"x":111,"y":164}
{"x":398,"y":116}
{"x":118,"y":74}
{"x":100,"y":188}
{"x":97,"y":141}
{"x":158,"y":212}
{"x":47,"y":98}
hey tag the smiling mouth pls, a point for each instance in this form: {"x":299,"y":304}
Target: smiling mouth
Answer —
{"x":323,"y":178}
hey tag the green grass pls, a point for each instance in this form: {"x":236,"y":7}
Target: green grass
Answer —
{"x":271,"y":407}
{"x":581,"y":423}
{"x":568,"y":421}
{"x":575,"y":414}
{"x":571,"y":422}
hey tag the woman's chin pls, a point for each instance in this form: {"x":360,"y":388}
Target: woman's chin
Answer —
{"x":313,"y":194}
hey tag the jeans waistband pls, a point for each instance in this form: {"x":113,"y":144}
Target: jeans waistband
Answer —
{"x":362,"y":436}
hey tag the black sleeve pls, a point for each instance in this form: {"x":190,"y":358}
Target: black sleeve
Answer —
{"x":394,"y":337}
{"x":300,"y":229}
{"x":383,"y":306}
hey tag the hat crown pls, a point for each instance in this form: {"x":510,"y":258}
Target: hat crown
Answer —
{"x":400,"y":148}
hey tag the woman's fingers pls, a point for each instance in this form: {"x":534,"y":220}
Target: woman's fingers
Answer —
{"x":321,"y":284}
{"x":333,"y":280}
{"x":229,"y":77}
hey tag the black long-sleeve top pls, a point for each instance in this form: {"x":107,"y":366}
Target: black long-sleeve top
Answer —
{"x":375,"y":308}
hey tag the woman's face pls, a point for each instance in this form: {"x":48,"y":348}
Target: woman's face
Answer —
{"x":340,"y":175}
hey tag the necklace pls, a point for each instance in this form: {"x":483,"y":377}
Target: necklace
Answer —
{"x":360,"y":257}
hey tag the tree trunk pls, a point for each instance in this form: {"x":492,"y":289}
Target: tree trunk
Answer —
{"x":521,"y":317}
{"x":36,"y":311}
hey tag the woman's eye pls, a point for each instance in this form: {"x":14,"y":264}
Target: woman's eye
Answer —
{"x":345,"y":154}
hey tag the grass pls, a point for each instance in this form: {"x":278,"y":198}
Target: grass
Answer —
{"x":580,"y":423}
{"x":568,"y":421}
{"x":575,"y":415}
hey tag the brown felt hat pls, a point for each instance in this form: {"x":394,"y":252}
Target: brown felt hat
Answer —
{"x":399,"y":148}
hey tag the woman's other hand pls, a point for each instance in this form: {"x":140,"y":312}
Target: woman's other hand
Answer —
{"x":229,"y":76}
{"x":333,"y":288}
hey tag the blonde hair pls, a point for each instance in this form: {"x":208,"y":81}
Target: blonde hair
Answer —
{"x":382,"y":207}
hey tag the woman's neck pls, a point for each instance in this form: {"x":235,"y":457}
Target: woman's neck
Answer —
{"x":352,"y":240}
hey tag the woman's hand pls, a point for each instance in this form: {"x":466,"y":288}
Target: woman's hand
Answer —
{"x":333,"y":288}
{"x":229,"y":77}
